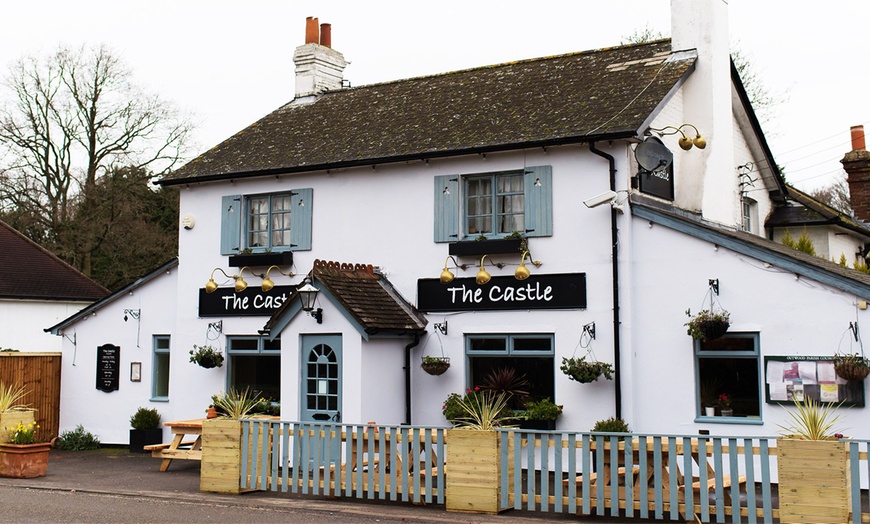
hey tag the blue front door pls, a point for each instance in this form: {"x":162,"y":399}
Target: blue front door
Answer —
{"x":321,"y":378}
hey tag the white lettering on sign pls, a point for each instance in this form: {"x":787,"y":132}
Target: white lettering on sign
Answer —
{"x":528,"y":293}
{"x":233,"y":302}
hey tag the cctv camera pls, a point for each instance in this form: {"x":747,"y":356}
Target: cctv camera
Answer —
{"x":603,"y":198}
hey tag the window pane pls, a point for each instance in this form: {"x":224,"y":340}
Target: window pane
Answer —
{"x":247,"y":344}
{"x":735,"y":377}
{"x":270,"y":345}
{"x":261,"y":374}
{"x":161,"y":375}
{"x":533,"y":344}
{"x":488,"y":344}
{"x":161,"y":342}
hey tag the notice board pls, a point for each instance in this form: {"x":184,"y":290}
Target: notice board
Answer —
{"x":795,"y":377}
{"x":108,"y":367}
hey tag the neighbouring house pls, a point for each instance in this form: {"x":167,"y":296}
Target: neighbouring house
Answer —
{"x":37,"y":289}
{"x":329,"y":247}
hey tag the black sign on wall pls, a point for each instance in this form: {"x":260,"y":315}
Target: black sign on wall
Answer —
{"x":559,"y":291}
{"x":108,"y":367}
{"x":253,"y":301}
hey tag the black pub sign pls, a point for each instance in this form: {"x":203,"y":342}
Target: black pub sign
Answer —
{"x":557,"y":291}
{"x":108,"y":367}
{"x":253,"y":301}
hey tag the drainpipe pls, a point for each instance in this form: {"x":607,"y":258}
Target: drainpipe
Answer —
{"x":408,"y":349}
{"x":617,"y":382}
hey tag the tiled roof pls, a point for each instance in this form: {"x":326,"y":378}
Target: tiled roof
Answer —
{"x":31,"y":272}
{"x":577,"y":97}
{"x":369,"y":298}
{"x":807,"y":211}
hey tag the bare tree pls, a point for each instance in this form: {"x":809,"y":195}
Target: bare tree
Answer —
{"x":73,"y":117}
{"x":835,"y":194}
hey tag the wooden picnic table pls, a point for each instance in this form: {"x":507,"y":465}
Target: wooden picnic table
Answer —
{"x":180,"y":447}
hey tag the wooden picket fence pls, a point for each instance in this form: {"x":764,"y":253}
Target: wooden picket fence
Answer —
{"x":39,"y":374}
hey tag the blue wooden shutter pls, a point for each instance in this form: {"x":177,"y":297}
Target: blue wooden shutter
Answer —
{"x":539,"y":201}
{"x":447,"y":208}
{"x":301,"y":214}
{"x":231,"y":224}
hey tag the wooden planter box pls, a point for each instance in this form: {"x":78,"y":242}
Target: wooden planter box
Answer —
{"x":221,"y":468}
{"x":473,"y":483}
{"x":284,"y":258}
{"x":499,"y":246}
{"x":10,"y":419}
{"x":814,"y":483}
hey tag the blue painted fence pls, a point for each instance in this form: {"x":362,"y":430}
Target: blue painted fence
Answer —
{"x":671,"y":477}
{"x":397,"y":463}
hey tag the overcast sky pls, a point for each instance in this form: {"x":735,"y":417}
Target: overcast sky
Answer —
{"x":230,"y":63}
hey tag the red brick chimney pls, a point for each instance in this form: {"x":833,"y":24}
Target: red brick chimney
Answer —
{"x":857,"y":165}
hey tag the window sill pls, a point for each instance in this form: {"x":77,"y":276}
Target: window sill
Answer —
{"x":494,"y":246}
{"x":752,"y":421}
{"x":284,"y":258}
{"x":159,"y":399}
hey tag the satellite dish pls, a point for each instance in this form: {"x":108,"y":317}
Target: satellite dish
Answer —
{"x":652,"y":155}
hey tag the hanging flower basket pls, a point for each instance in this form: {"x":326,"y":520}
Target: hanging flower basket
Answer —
{"x":206,"y":356}
{"x":435,"y":365}
{"x":851,"y":367}
{"x":708,"y":325}
{"x":585,"y":372}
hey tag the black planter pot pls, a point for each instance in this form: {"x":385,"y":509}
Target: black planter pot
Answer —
{"x":284,"y":258}
{"x":139,"y":438}
{"x":545,"y":425}
{"x":713,"y":329}
{"x":498,"y":246}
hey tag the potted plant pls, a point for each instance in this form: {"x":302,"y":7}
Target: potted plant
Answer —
{"x":435,"y":365}
{"x":813,"y":464}
{"x":725,"y":405}
{"x":851,"y":366}
{"x":146,"y":429}
{"x":24,"y":456}
{"x":584,"y":372}
{"x":206,"y":356}
{"x":708,"y":324}
{"x":609,"y":425}
{"x":708,"y":393}
{"x":12,"y":411}
{"x":541,"y":415}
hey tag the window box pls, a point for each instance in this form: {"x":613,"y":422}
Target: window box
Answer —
{"x":284,"y":258}
{"x":494,"y":246}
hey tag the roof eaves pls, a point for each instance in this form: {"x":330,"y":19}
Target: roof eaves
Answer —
{"x":166,"y":266}
{"x":793,"y":261}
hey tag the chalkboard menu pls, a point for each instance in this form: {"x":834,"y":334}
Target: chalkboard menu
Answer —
{"x":108,"y":367}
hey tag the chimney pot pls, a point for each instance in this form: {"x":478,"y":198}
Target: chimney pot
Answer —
{"x":326,"y":35}
{"x":858,"y":142}
{"x":312,"y":34}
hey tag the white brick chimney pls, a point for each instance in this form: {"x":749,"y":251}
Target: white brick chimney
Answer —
{"x":319,"y":68}
{"x":709,"y":175}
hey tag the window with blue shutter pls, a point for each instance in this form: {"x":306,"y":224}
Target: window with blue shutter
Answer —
{"x":268,"y":222}
{"x":494,"y":205}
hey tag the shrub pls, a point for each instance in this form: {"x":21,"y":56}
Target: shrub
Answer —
{"x":542,"y":410}
{"x":145,"y":418}
{"x":78,"y":440}
{"x":611,"y":425}
{"x":236,"y":404}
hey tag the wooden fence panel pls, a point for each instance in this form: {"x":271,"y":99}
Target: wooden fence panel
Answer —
{"x":39,"y":373}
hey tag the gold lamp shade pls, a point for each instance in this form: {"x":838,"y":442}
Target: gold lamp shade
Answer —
{"x":482,"y":276}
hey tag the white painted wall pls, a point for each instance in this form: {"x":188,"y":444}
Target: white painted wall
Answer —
{"x":23,"y":323}
{"x":107,"y":415}
{"x":795,"y":316}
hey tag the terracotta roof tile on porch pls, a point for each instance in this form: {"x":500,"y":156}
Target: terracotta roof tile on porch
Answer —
{"x":368,"y":297}
{"x":32,"y":272}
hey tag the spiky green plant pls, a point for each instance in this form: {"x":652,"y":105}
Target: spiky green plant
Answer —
{"x":10,"y":396}
{"x":235,"y":404}
{"x":483,"y":411}
{"x":810,"y":420}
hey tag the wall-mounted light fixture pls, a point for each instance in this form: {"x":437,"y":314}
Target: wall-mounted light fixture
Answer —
{"x":446,"y":275}
{"x":268,"y":283}
{"x":685,"y":142}
{"x":483,"y":275}
{"x":308,"y":296}
{"x":240,"y":284}
{"x":522,"y":272}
